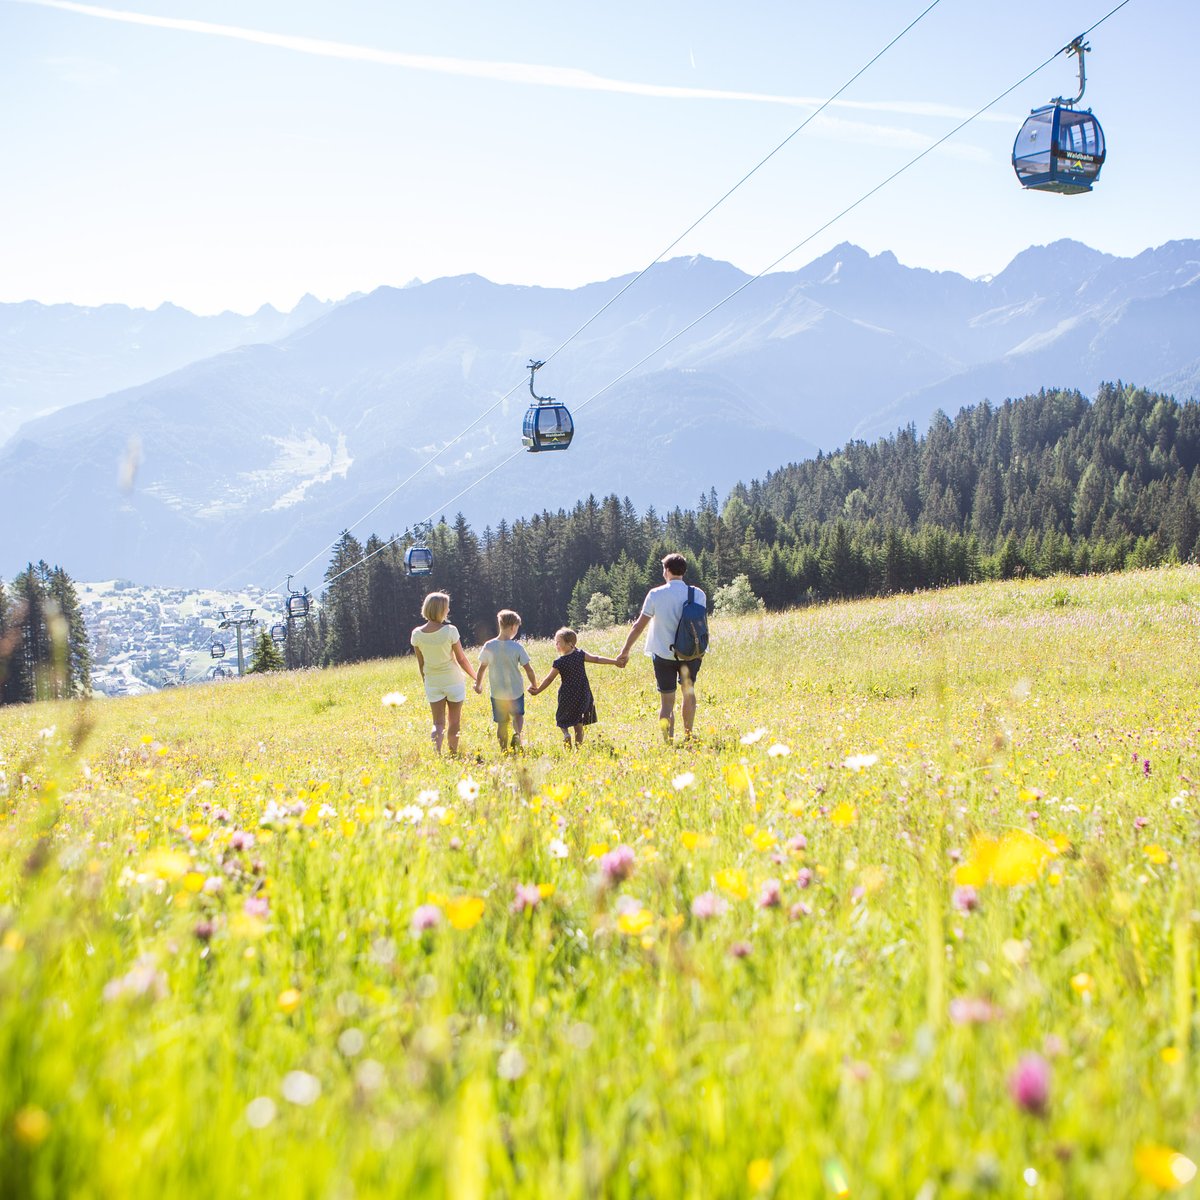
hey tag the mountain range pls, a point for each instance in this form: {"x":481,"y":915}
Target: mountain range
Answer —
{"x":246,"y":464}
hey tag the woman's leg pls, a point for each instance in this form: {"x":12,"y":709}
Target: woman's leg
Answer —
{"x":453,"y":715}
{"x":438,"y":709}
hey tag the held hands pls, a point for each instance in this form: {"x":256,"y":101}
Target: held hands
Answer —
{"x":622,"y":659}
{"x":478,"y":687}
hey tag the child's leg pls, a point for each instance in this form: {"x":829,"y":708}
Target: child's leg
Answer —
{"x":518,"y":724}
{"x":453,"y":716}
{"x":565,"y":730}
{"x":579,"y":735}
{"x":437,"y":709}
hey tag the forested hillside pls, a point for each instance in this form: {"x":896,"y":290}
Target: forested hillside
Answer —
{"x":44,"y":648}
{"x":1044,"y":484}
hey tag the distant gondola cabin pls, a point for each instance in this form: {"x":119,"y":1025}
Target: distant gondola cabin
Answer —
{"x":548,"y":426}
{"x":418,"y":560}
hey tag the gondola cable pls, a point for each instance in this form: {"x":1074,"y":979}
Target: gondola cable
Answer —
{"x":754,"y":278}
{"x":633,"y":280}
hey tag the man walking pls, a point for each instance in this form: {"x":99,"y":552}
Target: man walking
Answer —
{"x":662,"y":610}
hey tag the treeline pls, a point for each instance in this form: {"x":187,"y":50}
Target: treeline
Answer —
{"x":1047,"y":484}
{"x":44,"y":648}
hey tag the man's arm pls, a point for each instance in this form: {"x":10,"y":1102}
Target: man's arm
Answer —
{"x":635,"y":632}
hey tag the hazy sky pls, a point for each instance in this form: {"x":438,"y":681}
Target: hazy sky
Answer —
{"x":223,"y":155}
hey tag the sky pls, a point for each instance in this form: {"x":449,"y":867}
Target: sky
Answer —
{"x":222,"y":155}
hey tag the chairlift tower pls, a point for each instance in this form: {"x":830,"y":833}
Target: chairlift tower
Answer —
{"x":238,"y":619}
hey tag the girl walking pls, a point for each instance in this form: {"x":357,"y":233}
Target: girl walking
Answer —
{"x":442,"y":664}
{"x":576,"y":706}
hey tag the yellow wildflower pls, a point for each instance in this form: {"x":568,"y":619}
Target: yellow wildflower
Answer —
{"x":732,"y":881}
{"x":844,"y":815}
{"x":464,"y":912}
{"x":1163,"y":1167}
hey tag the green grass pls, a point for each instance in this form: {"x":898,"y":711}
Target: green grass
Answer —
{"x":610,"y":1042}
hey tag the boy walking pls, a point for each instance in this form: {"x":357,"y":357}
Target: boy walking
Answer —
{"x":506,"y":657}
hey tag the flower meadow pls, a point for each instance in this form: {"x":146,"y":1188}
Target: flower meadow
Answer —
{"x":916,"y":915}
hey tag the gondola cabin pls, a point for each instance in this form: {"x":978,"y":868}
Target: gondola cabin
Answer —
{"x":1059,"y":149}
{"x":418,"y":560}
{"x":218,"y":650}
{"x":279,"y":633}
{"x":548,"y":426}
{"x":297,"y":605}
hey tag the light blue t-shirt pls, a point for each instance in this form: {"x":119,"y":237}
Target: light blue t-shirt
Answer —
{"x":504,"y":658}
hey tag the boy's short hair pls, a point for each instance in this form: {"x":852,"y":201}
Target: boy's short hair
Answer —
{"x":507,"y":619}
{"x":568,"y":635}
{"x":675,"y":563}
{"x":435,"y":606}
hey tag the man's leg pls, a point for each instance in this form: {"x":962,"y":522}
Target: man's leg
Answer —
{"x":689,"y":699}
{"x":666,"y":715}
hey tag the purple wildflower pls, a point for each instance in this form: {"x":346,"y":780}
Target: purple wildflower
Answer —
{"x":1029,"y":1085}
{"x":256,"y":906}
{"x":426,"y":917}
{"x":966,"y":898}
{"x":708,"y":904}
{"x":527,"y":898}
{"x":739,"y":949}
{"x":617,"y":865}
{"x":772,"y":894}
{"x":804,"y":877}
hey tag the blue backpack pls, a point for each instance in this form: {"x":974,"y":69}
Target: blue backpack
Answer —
{"x":691,"y":635}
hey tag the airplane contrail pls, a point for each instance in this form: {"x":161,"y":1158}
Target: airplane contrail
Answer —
{"x":500,"y":72}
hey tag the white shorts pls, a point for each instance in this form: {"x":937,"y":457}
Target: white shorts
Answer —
{"x":456,"y":693}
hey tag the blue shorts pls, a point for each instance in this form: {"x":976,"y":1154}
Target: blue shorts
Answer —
{"x":668,"y":672}
{"x":503,"y":710}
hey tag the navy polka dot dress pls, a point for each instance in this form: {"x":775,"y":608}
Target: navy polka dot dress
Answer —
{"x":576,"y":705}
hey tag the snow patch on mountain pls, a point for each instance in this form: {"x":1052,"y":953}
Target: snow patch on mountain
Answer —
{"x":313,"y":460}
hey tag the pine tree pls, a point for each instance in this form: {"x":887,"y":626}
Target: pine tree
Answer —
{"x":265,"y":656}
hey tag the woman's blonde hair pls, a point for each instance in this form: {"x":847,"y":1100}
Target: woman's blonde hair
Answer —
{"x":435,"y":606}
{"x":568,"y":635}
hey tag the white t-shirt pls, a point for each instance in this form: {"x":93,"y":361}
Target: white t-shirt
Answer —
{"x":437,"y":648}
{"x":664,"y":607}
{"x":505,"y":657}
